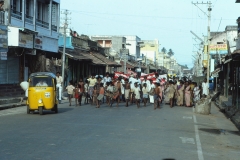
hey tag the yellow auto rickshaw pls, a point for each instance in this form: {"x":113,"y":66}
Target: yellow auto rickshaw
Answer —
{"x":42,"y":92}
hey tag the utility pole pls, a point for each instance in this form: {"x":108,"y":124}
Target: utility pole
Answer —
{"x":65,"y":26}
{"x":208,"y":29}
{"x":125,"y":58}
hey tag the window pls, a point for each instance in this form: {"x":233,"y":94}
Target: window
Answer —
{"x":16,"y":8}
{"x":29,"y":6}
{"x":39,"y":10}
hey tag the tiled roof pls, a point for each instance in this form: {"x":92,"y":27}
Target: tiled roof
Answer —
{"x":128,"y":65}
{"x":94,"y":59}
{"x":136,"y":65}
{"x":104,"y":59}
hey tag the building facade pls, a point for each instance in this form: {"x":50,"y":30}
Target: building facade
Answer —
{"x":32,"y":36}
{"x":150,"y":49}
{"x":134,"y":45}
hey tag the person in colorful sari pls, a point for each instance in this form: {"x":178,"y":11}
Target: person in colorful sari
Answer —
{"x":188,"y":95}
{"x":180,"y":91}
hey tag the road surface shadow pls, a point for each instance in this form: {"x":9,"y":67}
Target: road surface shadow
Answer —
{"x":60,"y":110}
{"x":219,"y":131}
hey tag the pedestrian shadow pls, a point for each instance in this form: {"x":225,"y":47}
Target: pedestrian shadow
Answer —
{"x":219,"y":131}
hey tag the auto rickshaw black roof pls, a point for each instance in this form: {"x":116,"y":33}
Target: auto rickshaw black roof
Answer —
{"x":50,"y":74}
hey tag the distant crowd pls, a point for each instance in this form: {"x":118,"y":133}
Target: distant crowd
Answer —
{"x":97,"y":90}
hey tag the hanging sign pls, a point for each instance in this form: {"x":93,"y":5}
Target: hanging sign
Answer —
{"x":38,"y":42}
{"x":25,"y":40}
{"x":218,"y":49}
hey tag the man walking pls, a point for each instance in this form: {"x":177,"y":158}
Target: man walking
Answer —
{"x":59,"y":86}
{"x":205,"y":88}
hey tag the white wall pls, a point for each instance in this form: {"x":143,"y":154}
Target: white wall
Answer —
{"x":134,"y":49}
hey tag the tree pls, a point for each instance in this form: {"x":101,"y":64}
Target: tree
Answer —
{"x":170,"y":52}
{"x":164,"y":50}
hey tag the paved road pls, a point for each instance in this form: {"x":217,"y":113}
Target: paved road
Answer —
{"x":117,"y":133}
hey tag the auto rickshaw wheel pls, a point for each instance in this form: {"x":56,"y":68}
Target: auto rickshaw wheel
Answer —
{"x":56,"y":108}
{"x":28,"y":109}
{"x":40,"y":110}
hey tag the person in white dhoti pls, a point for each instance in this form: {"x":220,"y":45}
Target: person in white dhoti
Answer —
{"x":205,"y":88}
{"x":59,"y":86}
{"x":151,"y":91}
{"x":122,"y":89}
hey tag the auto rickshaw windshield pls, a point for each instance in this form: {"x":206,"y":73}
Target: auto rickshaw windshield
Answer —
{"x":40,"y":81}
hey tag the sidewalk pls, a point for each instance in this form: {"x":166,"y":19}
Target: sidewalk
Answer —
{"x":225,"y":106}
{"x":224,"y":134}
{"x":11,"y":102}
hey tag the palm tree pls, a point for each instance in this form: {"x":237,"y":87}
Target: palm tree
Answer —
{"x":164,"y":50}
{"x":170,"y":52}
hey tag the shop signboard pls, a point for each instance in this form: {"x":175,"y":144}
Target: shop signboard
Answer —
{"x":218,"y":49}
{"x":25,"y":40}
{"x":3,"y":38}
{"x":38,"y":42}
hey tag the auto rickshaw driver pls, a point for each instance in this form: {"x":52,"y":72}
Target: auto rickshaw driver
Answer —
{"x":41,"y":83}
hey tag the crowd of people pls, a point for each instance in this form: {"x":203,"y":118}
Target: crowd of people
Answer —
{"x":97,"y":90}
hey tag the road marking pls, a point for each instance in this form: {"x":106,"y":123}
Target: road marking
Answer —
{"x":199,"y":146}
{"x":185,"y":117}
{"x":187,"y":140}
{"x":52,"y":144}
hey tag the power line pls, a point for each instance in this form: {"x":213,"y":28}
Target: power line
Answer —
{"x":138,"y":24}
{"x":134,"y":15}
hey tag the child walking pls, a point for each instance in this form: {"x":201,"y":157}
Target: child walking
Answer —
{"x":94,"y":99}
{"x":76,"y":94}
{"x":145,"y":91}
{"x":70,"y":89}
{"x":101,"y":95}
{"x":136,"y":92}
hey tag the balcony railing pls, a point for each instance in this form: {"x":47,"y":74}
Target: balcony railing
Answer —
{"x":2,"y":17}
{"x":29,"y":19}
{"x":42,"y":23}
{"x":16,"y":14}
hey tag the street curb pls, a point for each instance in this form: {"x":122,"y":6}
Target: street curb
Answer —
{"x":11,"y":105}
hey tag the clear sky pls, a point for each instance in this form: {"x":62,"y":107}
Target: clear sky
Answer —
{"x":169,"y":21}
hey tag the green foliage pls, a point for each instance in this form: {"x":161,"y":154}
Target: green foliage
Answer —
{"x":170,"y":52}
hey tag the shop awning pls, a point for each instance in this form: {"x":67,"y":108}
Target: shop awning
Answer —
{"x":236,"y":51}
{"x":216,"y":71}
{"x":75,"y":55}
{"x":105,"y":60}
{"x":94,"y":59}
